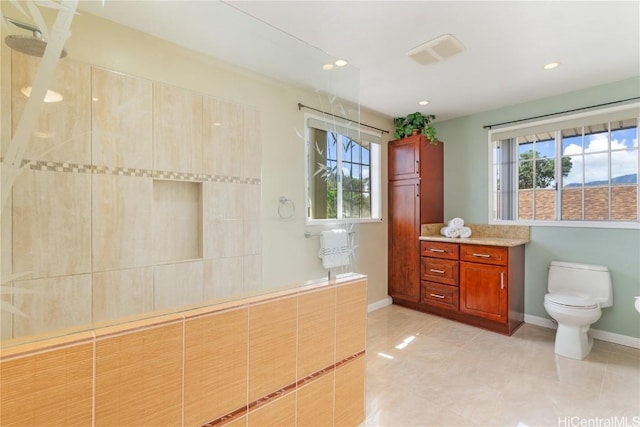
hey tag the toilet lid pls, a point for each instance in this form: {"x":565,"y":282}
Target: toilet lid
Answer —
{"x":571,"y":300}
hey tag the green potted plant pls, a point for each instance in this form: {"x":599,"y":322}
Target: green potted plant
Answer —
{"x":415,"y":123}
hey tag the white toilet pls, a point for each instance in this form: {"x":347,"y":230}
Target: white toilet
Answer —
{"x":576,"y":294}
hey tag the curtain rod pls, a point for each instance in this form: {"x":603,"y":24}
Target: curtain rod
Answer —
{"x":301,"y":106}
{"x":561,"y":112}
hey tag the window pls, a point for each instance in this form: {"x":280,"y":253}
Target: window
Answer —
{"x":343,"y":172}
{"x":582,"y":168}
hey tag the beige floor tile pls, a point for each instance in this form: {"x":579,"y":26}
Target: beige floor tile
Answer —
{"x":424,"y":370}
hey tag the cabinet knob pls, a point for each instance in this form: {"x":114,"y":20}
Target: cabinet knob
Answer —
{"x":437,"y":296}
{"x":502,"y":280}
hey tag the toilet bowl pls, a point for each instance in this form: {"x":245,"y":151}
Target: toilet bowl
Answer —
{"x":576,"y":294}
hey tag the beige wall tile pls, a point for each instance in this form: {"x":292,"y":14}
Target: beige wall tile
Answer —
{"x":52,"y":223}
{"x":252,"y":146}
{"x":120,"y":120}
{"x":351,"y":319}
{"x":177,"y":220}
{"x":139,"y":378}
{"x":316,"y":331}
{"x":252,"y":273}
{"x":121,"y":222}
{"x":63,"y":130}
{"x":222,"y":277}
{"x":52,"y":304}
{"x":6,"y":319}
{"x":51,"y":388}
{"x":222,"y":238}
{"x":315,"y":403}
{"x":223,"y":200}
{"x":252,"y":201}
{"x":176,"y":285}
{"x":223,"y":138}
{"x":349,"y":393}
{"x":272,"y":346}
{"x":252,"y":237}
{"x":279,"y":413}
{"x":177,"y":129}
{"x":215,"y":366}
{"x":121,"y":293}
{"x":5,"y":101}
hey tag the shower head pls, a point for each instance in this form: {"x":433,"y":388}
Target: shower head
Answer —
{"x":33,"y":45}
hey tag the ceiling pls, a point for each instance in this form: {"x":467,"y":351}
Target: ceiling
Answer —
{"x":506,"y":45}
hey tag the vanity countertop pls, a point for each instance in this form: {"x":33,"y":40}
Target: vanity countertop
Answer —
{"x":481,"y":234}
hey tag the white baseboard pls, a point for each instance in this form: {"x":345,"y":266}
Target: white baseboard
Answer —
{"x":379,"y":304}
{"x":594,"y":333}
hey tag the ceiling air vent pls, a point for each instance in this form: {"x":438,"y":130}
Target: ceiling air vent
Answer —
{"x":436,"y":50}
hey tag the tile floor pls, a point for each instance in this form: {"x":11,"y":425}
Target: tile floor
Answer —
{"x":451,"y":374}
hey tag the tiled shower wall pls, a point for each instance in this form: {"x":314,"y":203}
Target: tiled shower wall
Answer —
{"x":135,"y":196}
{"x":291,"y":359}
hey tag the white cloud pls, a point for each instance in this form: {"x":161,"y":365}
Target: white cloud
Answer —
{"x":597,"y":160}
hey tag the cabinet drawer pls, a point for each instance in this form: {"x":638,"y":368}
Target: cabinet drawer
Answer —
{"x":484,"y":254}
{"x":439,"y":270}
{"x":439,"y":250}
{"x":438,"y":295}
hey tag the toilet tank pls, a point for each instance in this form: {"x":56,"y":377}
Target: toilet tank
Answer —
{"x":592,"y":281}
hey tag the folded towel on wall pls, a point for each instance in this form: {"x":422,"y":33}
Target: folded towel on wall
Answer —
{"x":334,"y":248}
{"x":465,"y":232}
{"x":456,"y":223}
{"x":450,"y":232}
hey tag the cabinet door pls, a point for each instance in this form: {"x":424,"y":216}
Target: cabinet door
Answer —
{"x":404,"y":158}
{"x":483,"y":290}
{"x":404,"y":244}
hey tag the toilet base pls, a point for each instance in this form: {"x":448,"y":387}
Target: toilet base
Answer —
{"x":573,"y":341}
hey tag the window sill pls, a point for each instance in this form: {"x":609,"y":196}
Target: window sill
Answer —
{"x":573,"y":224}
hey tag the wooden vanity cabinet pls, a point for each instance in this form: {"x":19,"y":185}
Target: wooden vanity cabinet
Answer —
{"x":475,"y":284}
{"x":416,"y":196}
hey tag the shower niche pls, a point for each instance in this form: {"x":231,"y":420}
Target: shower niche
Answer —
{"x":177,"y":221}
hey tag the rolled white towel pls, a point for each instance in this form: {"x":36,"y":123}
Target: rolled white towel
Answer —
{"x":450,"y":232}
{"x":465,"y":232}
{"x":456,"y":223}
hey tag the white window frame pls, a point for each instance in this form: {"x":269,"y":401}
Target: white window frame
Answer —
{"x":375,"y":177}
{"x":632,"y":107}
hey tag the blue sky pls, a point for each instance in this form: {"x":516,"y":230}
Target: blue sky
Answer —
{"x":624,"y":157}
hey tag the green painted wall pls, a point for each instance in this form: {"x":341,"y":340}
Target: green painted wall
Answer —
{"x":466,"y":196}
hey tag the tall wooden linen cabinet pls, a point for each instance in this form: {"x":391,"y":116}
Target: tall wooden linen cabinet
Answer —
{"x":416,"y":196}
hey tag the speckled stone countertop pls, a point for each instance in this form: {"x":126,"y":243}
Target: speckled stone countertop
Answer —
{"x":481,"y":234}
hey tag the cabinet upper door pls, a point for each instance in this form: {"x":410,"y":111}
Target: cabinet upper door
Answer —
{"x":404,"y":158}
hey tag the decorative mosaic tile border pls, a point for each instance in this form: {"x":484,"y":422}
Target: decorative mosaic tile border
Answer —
{"x":282,"y":392}
{"x":47,"y":166}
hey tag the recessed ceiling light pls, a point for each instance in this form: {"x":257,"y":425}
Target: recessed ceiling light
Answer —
{"x":217,"y":124}
{"x":425,"y":102}
{"x":327,"y":67}
{"x":551,"y":65}
{"x":341,"y":62}
{"x":51,"y":95}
